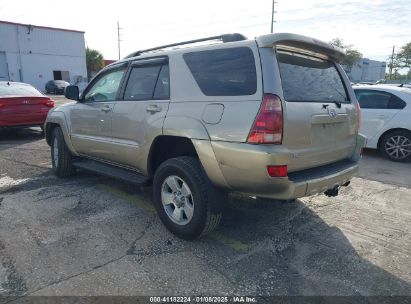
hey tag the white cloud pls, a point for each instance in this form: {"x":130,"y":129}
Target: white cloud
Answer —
{"x":373,"y":26}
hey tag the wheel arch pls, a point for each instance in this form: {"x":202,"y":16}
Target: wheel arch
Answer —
{"x":50,"y":126}
{"x":165,"y":147}
{"x":168,"y":146}
{"x":58,"y":119}
{"x":183,"y":126}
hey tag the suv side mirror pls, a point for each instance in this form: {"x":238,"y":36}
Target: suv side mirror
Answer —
{"x":72,"y":92}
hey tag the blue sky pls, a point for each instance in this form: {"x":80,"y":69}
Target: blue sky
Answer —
{"x":372,"y":26}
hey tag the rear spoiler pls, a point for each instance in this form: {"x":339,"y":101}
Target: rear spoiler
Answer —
{"x":301,"y":44}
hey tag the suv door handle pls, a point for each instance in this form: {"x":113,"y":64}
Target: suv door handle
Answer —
{"x":106,"y":108}
{"x":153,"y":108}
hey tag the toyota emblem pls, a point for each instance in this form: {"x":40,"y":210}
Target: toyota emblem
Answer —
{"x":332,"y":113}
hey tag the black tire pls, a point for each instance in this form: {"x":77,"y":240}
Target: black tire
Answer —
{"x":389,"y":139}
{"x":207,"y":199}
{"x":62,"y":164}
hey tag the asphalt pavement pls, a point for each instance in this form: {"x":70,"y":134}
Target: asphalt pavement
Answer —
{"x":91,"y":235}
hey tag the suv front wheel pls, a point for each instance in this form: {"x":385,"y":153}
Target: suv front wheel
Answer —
{"x":186,"y":201}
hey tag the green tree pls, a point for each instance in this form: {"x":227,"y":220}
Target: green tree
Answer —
{"x":392,"y":67}
{"x":399,"y":63}
{"x":403,"y":57}
{"x":352,"y":55}
{"x":95,"y":62}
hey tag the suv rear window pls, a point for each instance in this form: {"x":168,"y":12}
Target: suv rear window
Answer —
{"x":309,"y":79}
{"x":224,"y":72}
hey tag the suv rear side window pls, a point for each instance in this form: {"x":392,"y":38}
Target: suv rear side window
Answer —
{"x":147,"y":83}
{"x":309,"y":79}
{"x":162,"y":90}
{"x":372,"y":99}
{"x":224,"y":72}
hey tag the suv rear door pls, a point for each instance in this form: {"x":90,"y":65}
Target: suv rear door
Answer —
{"x":320,"y":117}
{"x":139,"y":116}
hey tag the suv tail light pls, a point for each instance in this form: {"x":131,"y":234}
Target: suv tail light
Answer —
{"x":268,"y":125}
{"x":49,"y":103}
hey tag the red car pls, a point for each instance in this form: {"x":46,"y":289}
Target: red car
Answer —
{"x":21,"y":105}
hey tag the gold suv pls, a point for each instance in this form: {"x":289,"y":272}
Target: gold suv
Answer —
{"x":272,"y":117}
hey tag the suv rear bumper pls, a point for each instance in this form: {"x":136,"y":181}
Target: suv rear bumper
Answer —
{"x":244,"y":169}
{"x":318,"y":180}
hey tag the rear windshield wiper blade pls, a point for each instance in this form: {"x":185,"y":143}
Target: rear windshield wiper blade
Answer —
{"x":325,"y":104}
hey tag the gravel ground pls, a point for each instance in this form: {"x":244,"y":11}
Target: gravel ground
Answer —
{"x":90,"y":235}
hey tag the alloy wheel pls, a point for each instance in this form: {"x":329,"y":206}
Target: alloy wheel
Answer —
{"x":398,"y":147}
{"x":177,"y":200}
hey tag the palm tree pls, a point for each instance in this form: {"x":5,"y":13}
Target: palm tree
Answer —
{"x":95,"y":62}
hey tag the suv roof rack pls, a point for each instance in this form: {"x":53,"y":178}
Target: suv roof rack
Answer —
{"x":224,"y":38}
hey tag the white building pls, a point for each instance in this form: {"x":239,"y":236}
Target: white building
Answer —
{"x":37,"y":54}
{"x":367,"y":70}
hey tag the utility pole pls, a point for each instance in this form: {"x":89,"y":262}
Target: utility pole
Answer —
{"x":272,"y":16}
{"x":392,"y":61}
{"x":118,"y":39}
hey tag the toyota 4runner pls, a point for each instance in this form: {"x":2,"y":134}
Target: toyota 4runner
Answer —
{"x":272,"y":117}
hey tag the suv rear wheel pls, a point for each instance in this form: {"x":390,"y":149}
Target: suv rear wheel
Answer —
{"x":396,"y":145}
{"x":61,"y":158}
{"x":186,"y":201}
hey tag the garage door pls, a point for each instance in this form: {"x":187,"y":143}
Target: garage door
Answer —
{"x":4,"y":71}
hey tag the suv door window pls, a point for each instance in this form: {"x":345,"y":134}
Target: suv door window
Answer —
{"x":162,"y":90}
{"x":224,"y":72}
{"x":147,"y":83}
{"x":373,"y":99}
{"x":106,"y":87}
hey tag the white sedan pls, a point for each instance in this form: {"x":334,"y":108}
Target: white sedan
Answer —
{"x":386,"y":119}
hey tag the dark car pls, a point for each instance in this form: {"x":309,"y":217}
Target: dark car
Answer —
{"x":56,"y":86}
{"x":22,"y":105}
